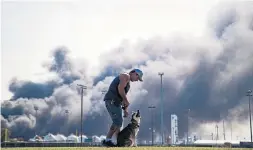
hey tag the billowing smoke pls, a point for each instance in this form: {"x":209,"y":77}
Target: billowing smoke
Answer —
{"x":61,"y":65}
{"x":208,"y":75}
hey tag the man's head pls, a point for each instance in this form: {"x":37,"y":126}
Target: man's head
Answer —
{"x":136,"y":75}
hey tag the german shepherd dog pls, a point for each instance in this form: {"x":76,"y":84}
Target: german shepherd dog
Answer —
{"x":127,"y":137}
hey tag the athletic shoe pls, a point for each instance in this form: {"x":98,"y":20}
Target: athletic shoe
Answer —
{"x":108,"y":143}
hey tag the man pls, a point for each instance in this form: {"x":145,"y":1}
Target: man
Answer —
{"x":116,"y":101}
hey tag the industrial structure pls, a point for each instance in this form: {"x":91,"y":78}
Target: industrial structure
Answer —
{"x":174,"y":129}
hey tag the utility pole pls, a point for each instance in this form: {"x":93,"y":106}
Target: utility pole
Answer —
{"x":249,"y":94}
{"x":82,"y":88}
{"x":152,"y":123}
{"x":224,"y":133}
{"x":161,"y":75}
{"x":36,"y":108}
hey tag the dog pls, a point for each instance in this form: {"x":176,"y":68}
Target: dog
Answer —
{"x":127,"y":137}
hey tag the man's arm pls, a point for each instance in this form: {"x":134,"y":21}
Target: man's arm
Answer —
{"x":124,"y":79}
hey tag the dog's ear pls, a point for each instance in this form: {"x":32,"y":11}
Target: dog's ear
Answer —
{"x":138,"y":113}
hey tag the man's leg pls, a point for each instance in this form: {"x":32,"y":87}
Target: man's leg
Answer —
{"x":116,"y":116}
{"x":114,"y":130}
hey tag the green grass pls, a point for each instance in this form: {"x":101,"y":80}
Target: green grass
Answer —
{"x":133,"y":148}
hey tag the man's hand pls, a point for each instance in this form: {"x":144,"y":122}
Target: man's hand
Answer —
{"x":125,"y":113}
{"x":125,"y":103}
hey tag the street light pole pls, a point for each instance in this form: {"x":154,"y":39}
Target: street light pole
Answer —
{"x":249,"y":94}
{"x":82,"y":88}
{"x":152,"y":124}
{"x":161,"y":75}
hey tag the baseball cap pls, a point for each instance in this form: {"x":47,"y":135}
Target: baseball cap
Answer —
{"x":140,"y":74}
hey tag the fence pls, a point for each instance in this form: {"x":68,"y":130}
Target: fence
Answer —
{"x":98,"y":144}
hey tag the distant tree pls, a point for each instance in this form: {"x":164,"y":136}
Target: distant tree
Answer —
{"x":5,"y":131}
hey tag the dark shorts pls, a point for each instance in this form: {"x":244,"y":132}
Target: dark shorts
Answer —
{"x":115,"y":112}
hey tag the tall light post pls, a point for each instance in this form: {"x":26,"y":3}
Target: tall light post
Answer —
{"x":82,"y":88}
{"x":249,"y":94}
{"x":161,"y":75}
{"x":152,"y":123}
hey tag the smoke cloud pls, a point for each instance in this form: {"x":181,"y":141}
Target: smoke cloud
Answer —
{"x":208,"y":75}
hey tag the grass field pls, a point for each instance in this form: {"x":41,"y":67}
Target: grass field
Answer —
{"x":133,"y":148}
